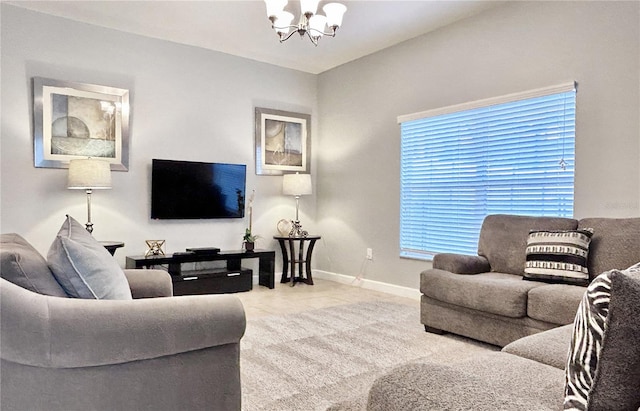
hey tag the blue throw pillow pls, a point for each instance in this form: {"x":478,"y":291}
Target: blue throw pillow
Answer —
{"x":83,"y":267}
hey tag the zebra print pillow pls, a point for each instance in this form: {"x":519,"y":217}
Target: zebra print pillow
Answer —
{"x":586,"y":342}
{"x":603,"y":367}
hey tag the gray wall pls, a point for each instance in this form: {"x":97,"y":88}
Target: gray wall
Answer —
{"x":187,"y":103}
{"x":513,"y":48}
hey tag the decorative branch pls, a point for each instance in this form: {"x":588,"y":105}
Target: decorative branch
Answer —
{"x":253,"y":195}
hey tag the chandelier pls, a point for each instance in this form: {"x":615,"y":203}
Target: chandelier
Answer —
{"x":310,"y":23}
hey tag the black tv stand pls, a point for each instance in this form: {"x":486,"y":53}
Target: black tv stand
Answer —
{"x":231,"y":278}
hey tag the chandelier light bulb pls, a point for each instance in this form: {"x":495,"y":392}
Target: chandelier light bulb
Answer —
{"x":334,"y":12}
{"x":317,"y":24}
{"x":282,"y":23}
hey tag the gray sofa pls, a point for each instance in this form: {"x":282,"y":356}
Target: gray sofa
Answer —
{"x":62,"y":353}
{"x":484,"y":297}
{"x":599,"y":354}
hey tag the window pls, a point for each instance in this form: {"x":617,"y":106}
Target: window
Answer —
{"x":511,"y":155}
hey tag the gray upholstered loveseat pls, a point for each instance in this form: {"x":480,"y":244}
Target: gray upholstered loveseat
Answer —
{"x":592,"y":364}
{"x":485,"y":297}
{"x":60,"y":353}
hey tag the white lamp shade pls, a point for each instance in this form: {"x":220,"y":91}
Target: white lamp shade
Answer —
{"x":282,"y":22}
{"x":296,"y":184}
{"x":275,"y":7}
{"x":317,"y":24}
{"x":334,"y":12}
{"x":89,"y":173}
{"x":309,"y":6}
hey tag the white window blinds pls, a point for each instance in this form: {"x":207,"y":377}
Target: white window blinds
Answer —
{"x":512,"y":154}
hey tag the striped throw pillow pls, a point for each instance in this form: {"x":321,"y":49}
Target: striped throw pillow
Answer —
{"x":558,"y":256}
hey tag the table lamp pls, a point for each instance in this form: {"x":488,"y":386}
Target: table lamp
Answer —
{"x":89,"y":174}
{"x":296,"y":185}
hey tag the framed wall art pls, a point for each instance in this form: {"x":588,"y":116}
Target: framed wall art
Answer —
{"x":283,"y":142}
{"x":75,"y":120}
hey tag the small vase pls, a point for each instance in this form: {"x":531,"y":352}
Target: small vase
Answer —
{"x":249,"y":246}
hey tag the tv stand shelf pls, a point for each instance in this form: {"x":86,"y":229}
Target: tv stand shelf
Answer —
{"x":232,"y":278}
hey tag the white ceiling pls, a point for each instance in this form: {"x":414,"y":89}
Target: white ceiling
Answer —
{"x":241,"y":27}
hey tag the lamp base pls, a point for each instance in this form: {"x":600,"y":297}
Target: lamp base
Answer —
{"x":296,"y":229}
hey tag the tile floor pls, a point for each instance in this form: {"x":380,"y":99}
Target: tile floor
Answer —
{"x":284,"y":299}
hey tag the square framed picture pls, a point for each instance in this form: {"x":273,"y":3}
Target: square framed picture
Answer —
{"x":75,"y":120}
{"x":283,"y":142}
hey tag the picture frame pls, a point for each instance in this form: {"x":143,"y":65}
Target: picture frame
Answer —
{"x":282,"y":142}
{"x":76,"y":120}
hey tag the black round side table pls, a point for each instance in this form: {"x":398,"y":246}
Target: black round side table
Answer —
{"x":112,"y":245}
{"x":302,"y":261}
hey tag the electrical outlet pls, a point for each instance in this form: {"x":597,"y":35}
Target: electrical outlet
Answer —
{"x":369,"y":254}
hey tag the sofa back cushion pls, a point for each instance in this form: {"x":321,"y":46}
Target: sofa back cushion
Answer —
{"x":503,"y":238}
{"x":615,"y":243}
{"x":23,"y":265}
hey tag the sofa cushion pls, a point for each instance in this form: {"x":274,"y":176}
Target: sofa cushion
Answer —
{"x":496,"y":293}
{"x":548,"y":347}
{"x":603,"y":368}
{"x":555,"y":303}
{"x":489,"y":382}
{"x":83,"y":267}
{"x":23,"y":265}
{"x":615,"y":243}
{"x":558,"y":256}
{"x":503,"y":238}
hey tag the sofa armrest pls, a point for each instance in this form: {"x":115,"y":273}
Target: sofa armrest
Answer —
{"x":149,"y":283}
{"x":461,"y":264}
{"x":55,"y":332}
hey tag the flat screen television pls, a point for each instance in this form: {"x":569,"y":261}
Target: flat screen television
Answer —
{"x":195,"y":190}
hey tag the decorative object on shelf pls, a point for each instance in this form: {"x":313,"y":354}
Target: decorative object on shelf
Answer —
{"x":283,"y":142}
{"x":251,"y":198}
{"x":284,"y":227}
{"x":310,"y":23}
{"x":249,"y":240}
{"x":154,"y":247}
{"x":75,"y":120}
{"x":297,"y":185}
{"x":89,"y":174}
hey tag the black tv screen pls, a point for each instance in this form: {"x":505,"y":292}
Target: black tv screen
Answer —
{"x":192,"y":190}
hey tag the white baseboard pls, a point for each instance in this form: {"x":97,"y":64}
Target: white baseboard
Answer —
{"x":369,"y":284}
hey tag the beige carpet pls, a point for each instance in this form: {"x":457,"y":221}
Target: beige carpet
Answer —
{"x":311,"y":360}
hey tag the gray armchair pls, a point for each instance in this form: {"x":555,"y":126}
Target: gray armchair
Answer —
{"x":143,"y":354}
